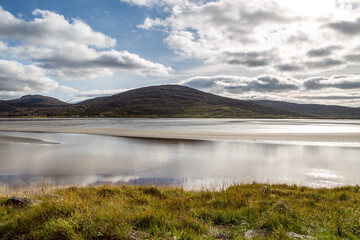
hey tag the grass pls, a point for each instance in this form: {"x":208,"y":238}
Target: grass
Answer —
{"x":147,"y":212}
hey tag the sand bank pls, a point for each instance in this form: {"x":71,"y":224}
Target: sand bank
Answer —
{"x":23,"y":140}
{"x":187,"y":135}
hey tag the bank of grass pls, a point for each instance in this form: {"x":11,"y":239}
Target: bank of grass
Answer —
{"x":146,"y":212}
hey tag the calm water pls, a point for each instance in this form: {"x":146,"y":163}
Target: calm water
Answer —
{"x":89,"y":159}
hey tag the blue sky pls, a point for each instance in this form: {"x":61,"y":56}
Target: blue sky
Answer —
{"x":299,"y":51}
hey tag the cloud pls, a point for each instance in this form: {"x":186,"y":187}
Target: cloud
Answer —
{"x":324,"y":63}
{"x":335,"y":82}
{"x":163,"y":3}
{"x":16,"y":78}
{"x":100,"y":93}
{"x":322,"y":52}
{"x":149,"y":3}
{"x":237,"y":84}
{"x":335,"y":89}
{"x":275,"y":36}
{"x":3,"y":46}
{"x":350,"y":28}
{"x":78,"y":96}
{"x":288,"y":67}
{"x":52,"y":29}
{"x":70,"y":50}
{"x":270,"y":83}
{"x":346,"y":96}
{"x":353,"y":57}
{"x":83,"y":62}
{"x":249,"y":59}
{"x":152,"y":23}
{"x":350,"y":99}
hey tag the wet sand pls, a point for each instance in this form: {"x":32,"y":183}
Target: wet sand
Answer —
{"x":23,"y":140}
{"x":180,"y":135}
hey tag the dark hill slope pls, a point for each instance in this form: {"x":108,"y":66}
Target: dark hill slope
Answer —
{"x":169,"y":100}
{"x":5,"y":107}
{"x":314,"y":110}
{"x":35,"y":101}
{"x":30,"y":105}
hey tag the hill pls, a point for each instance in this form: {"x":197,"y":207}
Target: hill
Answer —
{"x":314,"y":110}
{"x":5,"y":107}
{"x":169,"y":100}
{"x":36,"y":101}
{"x":166,"y":100}
{"x":29,"y":105}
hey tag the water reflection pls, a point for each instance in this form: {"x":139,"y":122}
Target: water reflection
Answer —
{"x":89,"y":159}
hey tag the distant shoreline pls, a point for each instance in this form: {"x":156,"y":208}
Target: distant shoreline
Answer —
{"x":4,"y":139}
{"x":186,"y":135}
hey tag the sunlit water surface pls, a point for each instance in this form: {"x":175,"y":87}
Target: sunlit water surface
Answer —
{"x":88,"y":159}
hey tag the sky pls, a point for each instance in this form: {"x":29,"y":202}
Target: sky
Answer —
{"x":301,"y":51}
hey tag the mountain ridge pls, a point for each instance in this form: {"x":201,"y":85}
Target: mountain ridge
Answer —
{"x":169,"y":101}
{"x":313,"y":110}
{"x":163,"y":100}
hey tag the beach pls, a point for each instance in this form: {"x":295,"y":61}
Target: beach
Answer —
{"x":345,"y":137}
{"x":201,"y":152}
{"x":23,"y":140}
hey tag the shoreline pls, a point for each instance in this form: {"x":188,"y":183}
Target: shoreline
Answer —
{"x":12,"y":139}
{"x":339,"y":137}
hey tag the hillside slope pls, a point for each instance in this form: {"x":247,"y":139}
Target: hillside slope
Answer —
{"x":169,"y":100}
{"x":35,"y":101}
{"x":314,"y":110}
{"x":29,"y":105}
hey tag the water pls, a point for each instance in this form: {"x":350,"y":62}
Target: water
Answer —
{"x":82,"y":159}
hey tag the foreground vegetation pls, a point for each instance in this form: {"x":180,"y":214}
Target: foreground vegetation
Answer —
{"x":146,"y":212}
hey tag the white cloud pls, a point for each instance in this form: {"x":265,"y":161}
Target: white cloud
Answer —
{"x":335,"y":89}
{"x":350,"y":99}
{"x":100,"y":93}
{"x":16,"y":79}
{"x":67,"y":89}
{"x":334,"y":82}
{"x":78,"y":96}
{"x":81,"y":62}
{"x":163,"y":3}
{"x":3,"y":46}
{"x":152,"y":23}
{"x":69,"y":49}
{"x":52,"y":29}
{"x":277,"y":36}
{"x":240,"y":85}
{"x":8,"y":95}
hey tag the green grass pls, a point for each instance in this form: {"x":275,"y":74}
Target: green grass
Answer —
{"x":145,"y":212}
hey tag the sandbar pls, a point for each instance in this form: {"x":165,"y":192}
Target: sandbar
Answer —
{"x":342,"y":137}
{"x":8,"y":139}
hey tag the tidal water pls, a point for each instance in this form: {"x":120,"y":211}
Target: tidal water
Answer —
{"x":81,"y":159}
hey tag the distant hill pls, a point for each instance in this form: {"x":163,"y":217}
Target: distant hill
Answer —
{"x":314,"y":110}
{"x":168,"y":100}
{"x":36,"y":101}
{"x":29,"y":105}
{"x":5,"y":107}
